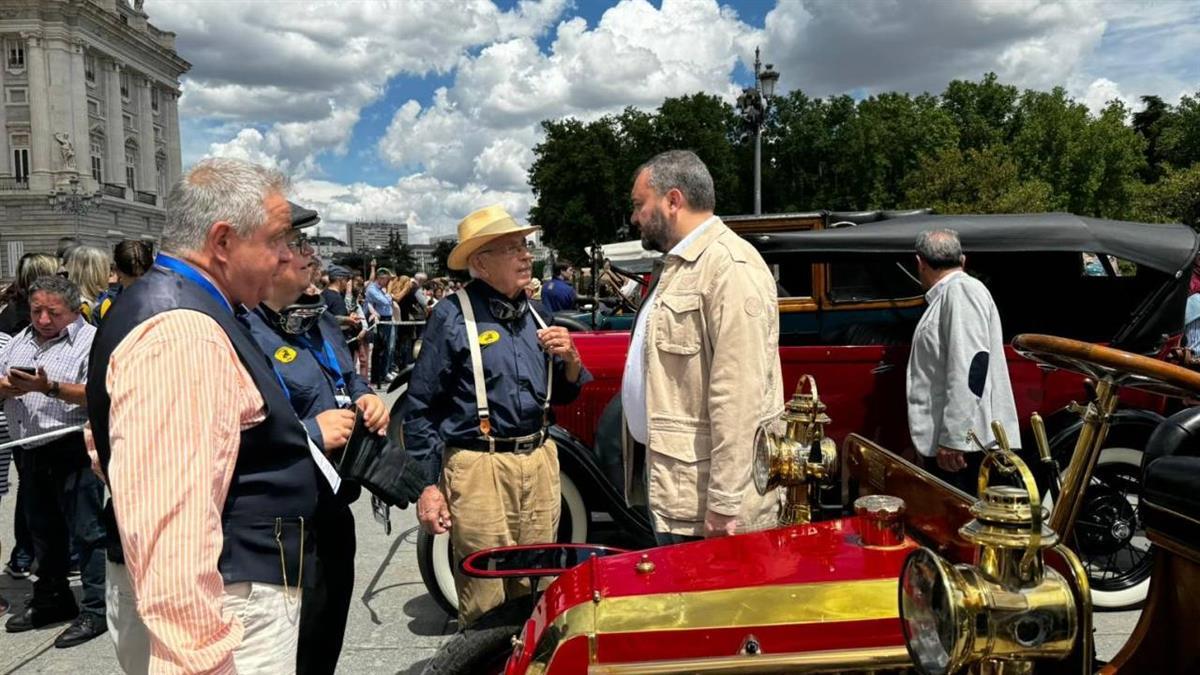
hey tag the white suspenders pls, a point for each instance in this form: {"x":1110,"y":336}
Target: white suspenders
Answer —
{"x":485,"y":425}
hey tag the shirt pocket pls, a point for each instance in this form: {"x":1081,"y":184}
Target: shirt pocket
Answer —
{"x":679,"y":324}
{"x":679,"y":470}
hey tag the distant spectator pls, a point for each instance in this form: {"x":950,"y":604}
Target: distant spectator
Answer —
{"x":534,"y":288}
{"x":334,"y":295}
{"x":87,"y":267}
{"x":131,"y":259}
{"x":558,"y":294}
{"x":379,"y":304}
{"x":15,"y":316}
{"x":65,"y":246}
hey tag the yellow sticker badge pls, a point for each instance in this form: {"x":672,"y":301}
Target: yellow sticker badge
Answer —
{"x":487,"y":337}
{"x":285,"y":355}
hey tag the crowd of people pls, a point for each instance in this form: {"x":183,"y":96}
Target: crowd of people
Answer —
{"x":213,"y":390}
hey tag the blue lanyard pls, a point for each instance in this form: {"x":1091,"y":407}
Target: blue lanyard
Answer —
{"x":191,"y":274}
{"x":328,"y":361}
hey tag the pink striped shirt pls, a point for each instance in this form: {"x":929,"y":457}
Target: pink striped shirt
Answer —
{"x":180,"y":399}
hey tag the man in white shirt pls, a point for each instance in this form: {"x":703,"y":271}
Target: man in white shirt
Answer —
{"x":957,"y":372}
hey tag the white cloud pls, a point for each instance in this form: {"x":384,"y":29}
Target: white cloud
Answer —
{"x":285,"y":83}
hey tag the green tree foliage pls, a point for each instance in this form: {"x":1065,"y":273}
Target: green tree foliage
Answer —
{"x":396,"y":256}
{"x":441,"y":256}
{"x":981,"y":147}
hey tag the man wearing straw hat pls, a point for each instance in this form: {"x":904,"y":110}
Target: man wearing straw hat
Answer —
{"x":45,"y":368}
{"x":478,"y":406}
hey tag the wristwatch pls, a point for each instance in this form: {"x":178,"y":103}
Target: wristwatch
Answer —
{"x":52,"y":392}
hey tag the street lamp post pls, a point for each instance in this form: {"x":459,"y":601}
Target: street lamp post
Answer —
{"x":75,"y":202}
{"x":754,"y":102}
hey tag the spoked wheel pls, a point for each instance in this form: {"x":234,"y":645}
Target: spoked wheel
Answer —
{"x":1109,"y":533}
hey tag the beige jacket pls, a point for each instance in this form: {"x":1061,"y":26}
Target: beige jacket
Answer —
{"x":712,"y":376}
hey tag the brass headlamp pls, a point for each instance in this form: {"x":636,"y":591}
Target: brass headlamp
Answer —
{"x":1007,"y":608}
{"x":801,"y":458}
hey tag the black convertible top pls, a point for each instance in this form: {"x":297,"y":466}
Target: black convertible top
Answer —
{"x":1168,"y":248}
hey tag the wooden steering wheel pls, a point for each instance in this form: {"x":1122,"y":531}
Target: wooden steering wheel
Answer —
{"x":1099,"y":362}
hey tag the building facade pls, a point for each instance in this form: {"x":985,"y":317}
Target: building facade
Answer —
{"x":89,"y":120}
{"x":367,"y":236}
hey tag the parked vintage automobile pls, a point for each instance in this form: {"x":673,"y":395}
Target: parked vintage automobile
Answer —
{"x":848,"y":304}
{"x":913,"y":575}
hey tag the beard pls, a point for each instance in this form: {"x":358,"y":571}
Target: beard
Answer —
{"x":654,"y":232}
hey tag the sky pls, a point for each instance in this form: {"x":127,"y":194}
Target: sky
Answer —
{"x":421,"y":111}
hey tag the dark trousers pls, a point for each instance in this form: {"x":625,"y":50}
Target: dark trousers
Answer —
{"x":326,"y":605}
{"x":381,"y":354}
{"x":64,"y":505}
{"x":22,"y":550}
{"x":668,"y":539}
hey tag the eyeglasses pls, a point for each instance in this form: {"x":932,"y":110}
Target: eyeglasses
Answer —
{"x":300,"y":245}
{"x":510,"y":250}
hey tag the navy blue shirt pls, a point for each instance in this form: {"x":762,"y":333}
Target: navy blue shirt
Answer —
{"x":558,"y":295}
{"x":440,"y":408}
{"x":310,"y":386}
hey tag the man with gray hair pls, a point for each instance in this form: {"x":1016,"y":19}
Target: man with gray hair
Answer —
{"x":702,"y":372}
{"x":45,"y":367}
{"x":957,"y":373}
{"x":212,"y":475}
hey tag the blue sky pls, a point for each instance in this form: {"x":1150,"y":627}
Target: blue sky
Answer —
{"x":422,"y":110}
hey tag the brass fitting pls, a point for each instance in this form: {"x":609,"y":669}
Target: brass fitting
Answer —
{"x":801,"y":459}
{"x":1006,"y":609}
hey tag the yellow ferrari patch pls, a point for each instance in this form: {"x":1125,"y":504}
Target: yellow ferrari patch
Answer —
{"x":285,"y":355}
{"x":487,"y":337}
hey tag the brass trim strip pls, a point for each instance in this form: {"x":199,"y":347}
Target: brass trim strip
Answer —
{"x":809,"y":662}
{"x":753,"y":606}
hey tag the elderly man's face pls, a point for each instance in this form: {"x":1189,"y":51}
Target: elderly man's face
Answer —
{"x":255,"y":261}
{"x":506,"y":263}
{"x":49,"y":314}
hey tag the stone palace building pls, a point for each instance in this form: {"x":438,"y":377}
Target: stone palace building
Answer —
{"x":89,"y":124}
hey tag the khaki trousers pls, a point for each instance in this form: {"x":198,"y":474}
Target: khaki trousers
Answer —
{"x":498,"y":499}
{"x":270,"y":618}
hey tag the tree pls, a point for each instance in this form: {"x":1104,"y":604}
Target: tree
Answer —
{"x":1180,"y":138}
{"x":1175,"y":198}
{"x":974,"y":181}
{"x":1148,"y":123}
{"x":983,"y":111}
{"x":441,"y":256}
{"x":396,"y":256}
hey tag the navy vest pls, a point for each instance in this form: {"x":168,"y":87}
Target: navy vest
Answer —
{"x":267,"y":517}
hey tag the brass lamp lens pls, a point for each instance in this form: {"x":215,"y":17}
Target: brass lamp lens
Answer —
{"x":928,"y":613}
{"x":761,"y":470}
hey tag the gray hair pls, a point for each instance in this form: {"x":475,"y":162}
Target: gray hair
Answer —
{"x":940,"y":249}
{"x":63,"y":288}
{"x":214,"y":190}
{"x":681,"y":170}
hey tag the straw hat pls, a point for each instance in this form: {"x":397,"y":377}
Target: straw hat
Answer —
{"x":478,"y":229}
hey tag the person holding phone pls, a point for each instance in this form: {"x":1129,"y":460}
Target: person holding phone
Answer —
{"x":45,"y":368}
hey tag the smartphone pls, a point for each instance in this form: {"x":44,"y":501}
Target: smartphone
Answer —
{"x":28,"y":370}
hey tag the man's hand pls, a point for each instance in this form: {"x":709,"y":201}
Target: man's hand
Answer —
{"x":717,"y":525}
{"x":336,"y":426}
{"x":557,"y":342}
{"x":25,"y":383}
{"x":432,"y":511}
{"x":951,"y":460}
{"x":7,"y":390}
{"x":375,"y":413}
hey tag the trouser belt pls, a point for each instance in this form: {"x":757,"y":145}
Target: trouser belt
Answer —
{"x":524,"y":444}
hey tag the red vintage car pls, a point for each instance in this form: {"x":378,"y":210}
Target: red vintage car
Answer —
{"x":918,"y":577}
{"x":848,"y":304}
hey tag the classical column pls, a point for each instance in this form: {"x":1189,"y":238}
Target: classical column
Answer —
{"x":149,"y":181}
{"x":41,"y":131}
{"x":171,"y":129}
{"x":5,"y":158}
{"x":80,"y":137}
{"x":114,"y":164}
